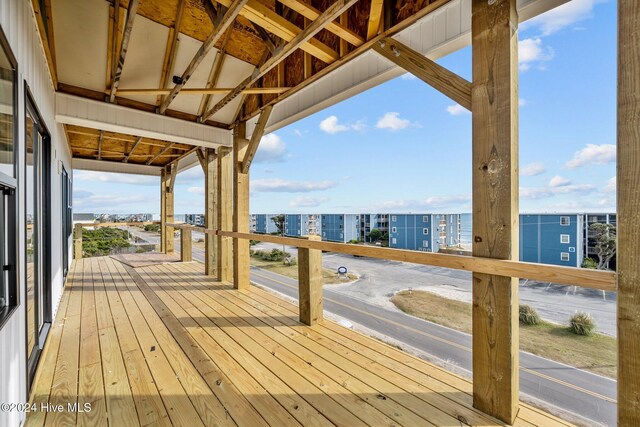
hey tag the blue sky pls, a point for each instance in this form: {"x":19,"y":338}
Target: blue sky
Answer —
{"x":404,"y":147}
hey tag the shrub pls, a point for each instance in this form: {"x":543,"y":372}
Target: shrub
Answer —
{"x":528,"y":315}
{"x":152,"y":228}
{"x":582,"y":323}
{"x":590,"y":263}
{"x":273,"y":255}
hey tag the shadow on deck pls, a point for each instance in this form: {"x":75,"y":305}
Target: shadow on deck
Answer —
{"x":166,"y":345}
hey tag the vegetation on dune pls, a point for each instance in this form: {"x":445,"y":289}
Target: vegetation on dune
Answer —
{"x":103,"y":241}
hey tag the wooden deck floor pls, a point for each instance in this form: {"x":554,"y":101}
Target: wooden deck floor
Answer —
{"x":165,"y":345}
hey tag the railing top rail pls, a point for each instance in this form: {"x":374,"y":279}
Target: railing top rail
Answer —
{"x":114,"y":224}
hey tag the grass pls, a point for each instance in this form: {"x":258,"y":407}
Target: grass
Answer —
{"x":330,"y":277}
{"x":596,"y":353}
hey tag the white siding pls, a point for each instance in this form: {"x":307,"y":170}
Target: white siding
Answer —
{"x":18,"y":23}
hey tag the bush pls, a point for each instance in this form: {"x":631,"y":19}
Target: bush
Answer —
{"x":582,"y":324}
{"x":253,"y":242}
{"x":353,"y":241}
{"x":104,"y":241}
{"x":528,"y":315}
{"x":590,"y":263}
{"x":152,"y":228}
{"x":273,"y":255}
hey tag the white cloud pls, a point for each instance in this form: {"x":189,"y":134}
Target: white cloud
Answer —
{"x":272,"y":149}
{"x":531,"y":51}
{"x":533,"y":169}
{"x":457,"y":110}
{"x":522,"y":102}
{"x":300,"y":133}
{"x":433,"y":202}
{"x":610,"y":186}
{"x":562,"y":16}
{"x":115,"y":178}
{"x":549,"y":191}
{"x":593,"y":154}
{"x":89,"y":201}
{"x":277,"y":185}
{"x":559,"y":181}
{"x":195,"y":190}
{"x":392,"y":121}
{"x":307,"y":202}
{"x":330,"y":125}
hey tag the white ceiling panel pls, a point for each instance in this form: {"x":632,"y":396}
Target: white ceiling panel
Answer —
{"x":233,"y":72}
{"x":81,"y":32}
{"x":145,"y":55}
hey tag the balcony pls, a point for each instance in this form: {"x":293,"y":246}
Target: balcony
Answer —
{"x":164,"y":344}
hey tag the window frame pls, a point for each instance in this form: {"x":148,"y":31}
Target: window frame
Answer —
{"x":562,"y":255}
{"x":425,"y":231}
{"x":567,"y":218}
{"x":394,"y":229}
{"x":568,"y":239}
{"x":10,"y":187}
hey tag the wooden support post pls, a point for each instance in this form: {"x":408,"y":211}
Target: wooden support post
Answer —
{"x":77,"y":240}
{"x":185,"y":245}
{"x":224,"y":214}
{"x":495,"y":205}
{"x":240,"y":209}
{"x":310,"y":284}
{"x":628,"y":220}
{"x":167,"y":178}
{"x":210,"y":186}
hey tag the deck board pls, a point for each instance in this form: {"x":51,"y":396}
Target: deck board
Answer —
{"x":166,"y":345}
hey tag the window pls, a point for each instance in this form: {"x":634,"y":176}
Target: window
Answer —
{"x":8,"y":183}
{"x":564,"y":238}
{"x":565,"y":220}
{"x":393,"y":241}
{"x":425,"y":231}
{"x":564,"y":256}
{"x":394,"y":229}
{"x":394,"y":218}
{"x":572,"y":249}
{"x":425,"y":218}
{"x":425,"y":243}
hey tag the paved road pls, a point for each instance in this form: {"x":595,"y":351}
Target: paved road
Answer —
{"x":579,"y":392}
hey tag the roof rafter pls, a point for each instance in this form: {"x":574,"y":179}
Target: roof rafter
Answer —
{"x":131,"y":16}
{"x":100,"y":139}
{"x":135,"y":145}
{"x":256,"y":136}
{"x":167,"y":148}
{"x":214,"y":75}
{"x":305,"y":35}
{"x":375,"y":17}
{"x":223,"y":22}
{"x":172,"y":48}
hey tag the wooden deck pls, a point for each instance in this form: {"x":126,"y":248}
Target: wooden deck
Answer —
{"x":165,"y":345}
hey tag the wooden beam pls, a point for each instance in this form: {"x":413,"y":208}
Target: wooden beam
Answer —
{"x":224,"y":214}
{"x":167,"y":181}
{"x":131,"y":15}
{"x":220,"y":26}
{"x":438,"y":77}
{"x":344,"y":21}
{"x":135,"y":145}
{"x":628,"y":220}
{"x":307,"y":65}
{"x":45,"y":29}
{"x":172,"y":177}
{"x":402,"y":25}
{"x":375,"y":17}
{"x":210,"y":194}
{"x":256,"y":136}
{"x":77,"y":241}
{"x":100,"y":139}
{"x":201,"y":159}
{"x":167,"y":148}
{"x":327,"y":16}
{"x":186,"y":243}
{"x":495,"y":206}
{"x":260,"y":14}
{"x":204,"y":91}
{"x":266,"y":38}
{"x":310,"y":284}
{"x":241,"y":254}
{"x":214,"y":75}
{"x":172,"y":48}
{"x":311,"y":13}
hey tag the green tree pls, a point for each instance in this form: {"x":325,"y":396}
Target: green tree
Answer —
{"x":375,"y":235}
{"x":278,"y":220}
{"x":605,"y":243}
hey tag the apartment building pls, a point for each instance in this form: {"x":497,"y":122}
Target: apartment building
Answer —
{"x":556,"y":239}
{"x":340,"y":227}
{"x":296,"y":225}
{"x":589,"y":241}
{"x":419,"y":232}
{"x":194,"y":219}
{"x":370,"y":222}
{"x":265,"y":224}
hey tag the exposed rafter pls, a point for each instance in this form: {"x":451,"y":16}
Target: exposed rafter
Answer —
{"x":258,"y":13}
{"x":100,"y":139}
{"x":223,"y":22}
{"x":135,"y":145}
{"x":205,"y":91}
{"x":256,"y":136}
{"x":172,"y":48}
{"x":327,"y":16}
{"x":131,"y":16}
{"x":214,"y":75}
{"x":441,"y":79}
{"x":167,"y":148}
{"x":375,"y":17}
{"x":201,"y":158}
{"x":311,"y":13}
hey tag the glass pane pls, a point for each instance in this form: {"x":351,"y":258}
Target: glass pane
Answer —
{"x":32,"y":236}
{"x":4,"y":290}
{"x":7,"y":80}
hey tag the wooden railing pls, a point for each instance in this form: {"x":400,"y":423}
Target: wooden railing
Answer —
{"x":310,"y":265}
